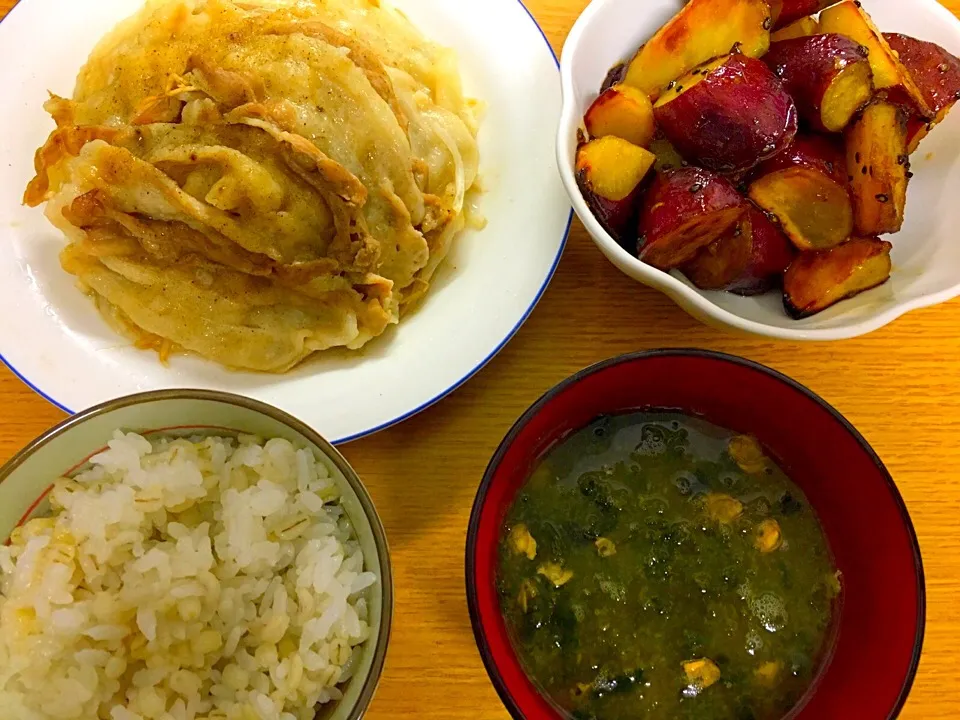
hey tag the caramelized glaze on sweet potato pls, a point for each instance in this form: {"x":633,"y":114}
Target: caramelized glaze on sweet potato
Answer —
{"x":623,"y":112}
{"x":794,"y":10}
{"x":817,"y":280}
{"x":728,"y":115}
{"x":685,"y":210}
{"x":807,"y":190}
{"x":936,"y":73}
{"x":610,"y":173}
{"x":749,"y":259}
{"x":850,"y":19}
{"x":828,"y":76}
{"x":878,"y":161}
{"x":804,"y":27}
{"x":721,"y":262}
{"x":770,"y":256}
{"x":703,"y":29}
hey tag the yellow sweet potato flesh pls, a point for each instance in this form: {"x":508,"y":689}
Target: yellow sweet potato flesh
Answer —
{"x":610,"y":173}
{"x":851,"y":20}
{"x":877,"y":159}
{"x":849,"y":91}
{"x":813,"y":210}
{"x":613,"y":166}
{"x":702,"y":30}
{"x":818,"y":280}
{"x":623,"y":112}
{"x":804,"y":27}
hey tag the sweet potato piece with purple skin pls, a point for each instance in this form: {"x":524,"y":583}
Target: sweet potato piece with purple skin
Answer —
{"x":804,"y":27}
{"x":828,"y":76}
{"x":793,"y":10}
{"x":748,"y":260}
{"x":806,"y":188}
{"x":850,"y":19}
{"x":818,"y":280}
{"x":728,"y":115}
{"x":878,"y":162}
{"x":685,"y":210}
{"x":623,"y":112}
{"x":703,"y":29}
{"x":610,"y":173}
{"x":824,"y":152}
{"x":720,"y":263}
{"x":770,"y":255}
{"x":936,"y":73}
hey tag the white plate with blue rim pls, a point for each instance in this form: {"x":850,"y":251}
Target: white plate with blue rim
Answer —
{"x":52,"y":337}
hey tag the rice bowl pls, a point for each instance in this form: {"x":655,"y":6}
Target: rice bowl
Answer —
{"x":195,"y":574}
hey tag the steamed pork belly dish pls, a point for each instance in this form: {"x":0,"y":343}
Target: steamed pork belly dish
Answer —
{"x":255,"y":182}
{"x":657,"y":566}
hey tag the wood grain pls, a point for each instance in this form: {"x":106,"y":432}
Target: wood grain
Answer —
{"x":899,"y":386}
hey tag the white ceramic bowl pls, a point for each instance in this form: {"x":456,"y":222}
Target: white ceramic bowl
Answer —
{"x":926,"y":253}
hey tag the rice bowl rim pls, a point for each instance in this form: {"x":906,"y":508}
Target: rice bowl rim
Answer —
{"x":385,"y":583}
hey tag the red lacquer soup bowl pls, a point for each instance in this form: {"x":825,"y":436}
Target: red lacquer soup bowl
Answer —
{"x":879,"y":628}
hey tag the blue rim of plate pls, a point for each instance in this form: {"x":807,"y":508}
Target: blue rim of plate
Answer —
{"x":450,"y":390}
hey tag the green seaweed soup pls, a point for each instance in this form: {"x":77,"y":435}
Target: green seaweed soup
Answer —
{"x":657,"y":566}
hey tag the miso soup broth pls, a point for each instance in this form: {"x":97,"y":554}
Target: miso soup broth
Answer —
{"x":658,"y":566}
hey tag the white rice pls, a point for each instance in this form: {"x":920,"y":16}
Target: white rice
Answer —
{"x":183,"y":579}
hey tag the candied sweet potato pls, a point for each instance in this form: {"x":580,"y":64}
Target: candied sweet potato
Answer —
{"x":623,"y":112}
{"x":817,"y":280}
{"x":804,"y":27}
{"x":793,"y":10}
{"x":771,"y":254}
{"x":748,"y":260}
{"x":610,"y":173}
{"x":807,"y":189}
{"x":703,"y":29}
{"x":667,"y":156}
{"x":850,"y":19}
{"x":936,"y":73}
{"x":720,"y":263}
{"x":828,"y":76}
{"x":879,"y":164}
{"x":685,"y":210}
{"x":728,"y":115}
{"x":776,"y":9}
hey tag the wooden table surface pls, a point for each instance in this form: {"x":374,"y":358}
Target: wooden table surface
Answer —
{"x":900,"y":386}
